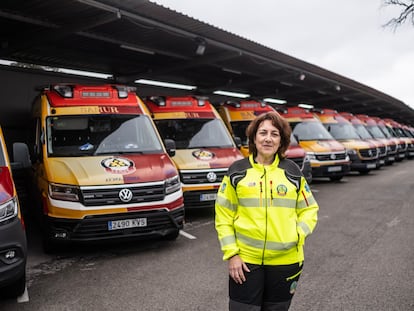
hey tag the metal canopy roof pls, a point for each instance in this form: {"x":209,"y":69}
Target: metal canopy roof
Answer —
{"x":137,"y":39}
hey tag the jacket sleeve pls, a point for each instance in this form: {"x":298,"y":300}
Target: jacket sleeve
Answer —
{"x":226,"y":208}
{"x":307,"y":211}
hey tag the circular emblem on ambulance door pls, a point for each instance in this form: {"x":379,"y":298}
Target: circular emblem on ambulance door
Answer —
{"x":333,"y":156}
{"x":211,"y":177}
{"x":125,"y":195}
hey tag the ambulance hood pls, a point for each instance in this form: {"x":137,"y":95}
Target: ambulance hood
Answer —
{"x":109,"y":170}
{"x":321,"y":146}
{"x":205,"y":158}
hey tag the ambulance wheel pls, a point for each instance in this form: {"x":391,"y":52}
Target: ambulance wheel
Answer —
{"x":336,"y":178}
{"x":172,"y":236}
{"x":49,"y":245}
{"x":17,"y":288}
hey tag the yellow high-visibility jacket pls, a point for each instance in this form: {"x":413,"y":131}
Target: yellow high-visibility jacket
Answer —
{"x":264,"y":213}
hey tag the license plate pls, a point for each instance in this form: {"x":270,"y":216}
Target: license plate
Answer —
{"x":208,"y":196}
{"x":371,"y":165}
{"x":334,"y":168}
{"x":391,"y":158}
{"x":382,"y":162}
{"x":127,"y":223}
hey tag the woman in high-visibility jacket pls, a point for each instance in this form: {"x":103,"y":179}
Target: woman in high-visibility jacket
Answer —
{"x":264,"y":211}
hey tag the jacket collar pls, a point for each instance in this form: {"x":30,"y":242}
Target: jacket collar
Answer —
{"x":260,"y":166}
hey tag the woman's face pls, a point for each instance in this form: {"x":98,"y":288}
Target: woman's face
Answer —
{"x":267,"y":139}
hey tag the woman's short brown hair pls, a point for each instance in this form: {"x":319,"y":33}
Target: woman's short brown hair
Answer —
{"x":279,"y":122}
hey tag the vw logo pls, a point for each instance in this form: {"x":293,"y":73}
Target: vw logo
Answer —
{"x":333,"y":156}
{"x":125,"y":195}
{"x":370,"y":153}
{"x":211,"y":177}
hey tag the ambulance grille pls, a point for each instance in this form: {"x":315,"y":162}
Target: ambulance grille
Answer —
{"x":201,"y":176}
{"x":110,"y":196}
{"x":383,"y":150}
{"x":331,"y":156}
{"x":368,"y":153}
{"x":393,"y":148}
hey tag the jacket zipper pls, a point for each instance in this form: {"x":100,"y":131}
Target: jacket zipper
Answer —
{"x":265,"y":206}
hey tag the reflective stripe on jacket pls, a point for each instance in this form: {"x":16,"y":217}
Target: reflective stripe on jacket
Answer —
{"x":264,"y":213}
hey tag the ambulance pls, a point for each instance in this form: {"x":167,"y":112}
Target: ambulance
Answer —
{"x":403,"y":136}
{"x":376,"y":132}
{"x":392,"y":136}
{"x":204,"y":147}
{"x":327,"y":156}
{"x":363,"y":154}
{"x":100,"y":168}
{"x":237,"y":115}
{"x":13,"y":244}
{"x":366,"y":136}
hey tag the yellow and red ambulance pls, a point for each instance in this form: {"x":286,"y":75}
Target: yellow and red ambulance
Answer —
{"x":392,"y":136}
{"x":365,"y":135}
{"x":327,"y":156}
{"x":378,"y":134}
{"x":13,"y":244}
{"x":101,"y":169}
{"x":237,"y":115}
{"x":363,"y":154}
{"x":204,"y":147}
{"x":404,"y":136}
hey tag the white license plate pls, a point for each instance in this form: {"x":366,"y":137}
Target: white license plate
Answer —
{"x":334,"y":168}
{"x":382,"y":162}
{"x":391,"y":158}
{"x":127,"y":223}
{"x":208,"y":196}
{"x":371,"y":165}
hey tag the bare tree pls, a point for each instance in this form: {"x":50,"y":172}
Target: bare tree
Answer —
{"x":407,"y":12}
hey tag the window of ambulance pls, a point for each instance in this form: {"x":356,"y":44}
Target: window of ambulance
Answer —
{"x":195,"y":133}
{"x":87,"y":135}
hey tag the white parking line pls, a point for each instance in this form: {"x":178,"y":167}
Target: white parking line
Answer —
{"x":24,"y":297}
{"x":187,"y":235}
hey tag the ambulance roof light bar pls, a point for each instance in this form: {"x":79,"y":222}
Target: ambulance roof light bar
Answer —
{"x":124,"y":90}
{"x":158,"y":100}
{"x":64,"y":90}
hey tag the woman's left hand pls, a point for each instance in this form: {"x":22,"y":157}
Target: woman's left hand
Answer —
{"x":237,"y":267}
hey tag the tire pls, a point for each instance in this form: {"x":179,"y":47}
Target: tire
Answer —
{"x":17,"y":288}
{"x":172,"y":236}
{"x":336,"y":178}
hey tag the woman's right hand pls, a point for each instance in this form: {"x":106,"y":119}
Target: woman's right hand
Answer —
{"x":237,"y":267}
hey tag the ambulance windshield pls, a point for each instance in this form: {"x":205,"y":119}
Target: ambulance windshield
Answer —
{"x":310,"y":131}
{"x":100,"y":134}
{"x":195,"y":133}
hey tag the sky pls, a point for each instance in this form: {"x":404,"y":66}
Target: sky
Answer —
{"x":347,"y":37}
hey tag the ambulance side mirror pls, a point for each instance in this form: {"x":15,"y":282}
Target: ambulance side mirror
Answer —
{"x":238,"y":141}
{"x":170,"y":146}
{"x":21,"y":156}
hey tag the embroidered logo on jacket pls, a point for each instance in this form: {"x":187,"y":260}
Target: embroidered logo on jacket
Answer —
{"x":281,"y":190}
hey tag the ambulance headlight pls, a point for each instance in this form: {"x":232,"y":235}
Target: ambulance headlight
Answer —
{"x":172,"y":184}
{"x":311,"y":156}
{"x":8,"y":210}
{"x":64,"y":192}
